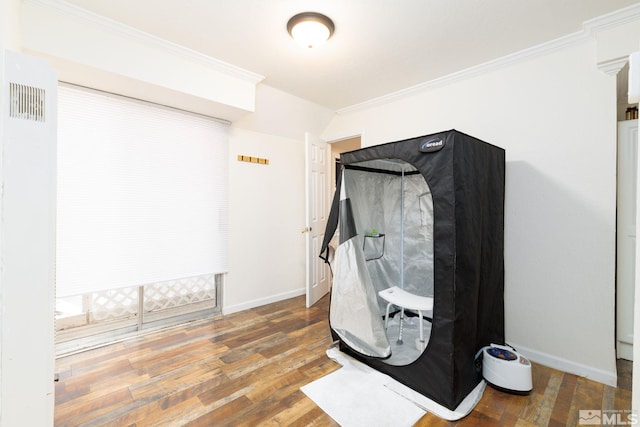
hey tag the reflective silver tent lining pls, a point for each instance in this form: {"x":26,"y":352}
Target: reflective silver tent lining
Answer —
{"x":407,"y":260}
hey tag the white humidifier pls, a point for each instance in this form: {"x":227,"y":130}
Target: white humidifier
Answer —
{"x":506,"y":369}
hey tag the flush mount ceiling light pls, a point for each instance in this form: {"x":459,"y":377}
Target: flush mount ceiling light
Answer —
{"x":310,"y":29}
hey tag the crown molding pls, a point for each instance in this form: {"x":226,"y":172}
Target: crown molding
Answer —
{"x":613,"y":19}
{"x":514,"y":58}
{"x":613,"y":66}
{"x":112,"y":26}
{"x":589,"y":28}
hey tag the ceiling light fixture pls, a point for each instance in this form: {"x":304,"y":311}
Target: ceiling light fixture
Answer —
{"x":310,"y":29}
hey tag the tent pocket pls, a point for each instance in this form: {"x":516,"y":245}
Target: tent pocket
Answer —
{"x":373,"y":247}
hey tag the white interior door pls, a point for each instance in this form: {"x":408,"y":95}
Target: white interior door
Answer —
{"x":626,"y":230}
{"x":318,"y":174}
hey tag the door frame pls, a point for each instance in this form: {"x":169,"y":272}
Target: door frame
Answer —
{"x":317,"y":205}
{"x":328,"y":195}
{"x":627,"y":144}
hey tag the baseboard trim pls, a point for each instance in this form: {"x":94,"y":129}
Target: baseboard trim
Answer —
{"x":606,"y":377}
{"x":263,"y":301}
{"x":624,"y":351}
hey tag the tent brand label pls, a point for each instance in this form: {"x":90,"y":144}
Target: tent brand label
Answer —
{"x":432,"y":145}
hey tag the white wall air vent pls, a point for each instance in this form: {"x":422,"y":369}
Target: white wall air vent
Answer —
{"x":26,"y":102}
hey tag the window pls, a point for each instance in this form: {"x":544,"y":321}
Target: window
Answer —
{"x":141,"y":211}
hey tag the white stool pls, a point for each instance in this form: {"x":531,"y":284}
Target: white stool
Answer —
{"x":406,"y":300}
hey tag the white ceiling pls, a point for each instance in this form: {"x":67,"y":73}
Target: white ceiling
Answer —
{"x":379,"y":46}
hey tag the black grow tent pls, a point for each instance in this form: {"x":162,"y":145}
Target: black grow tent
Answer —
{"x":426,"y":215}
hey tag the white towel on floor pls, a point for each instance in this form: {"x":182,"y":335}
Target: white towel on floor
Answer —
{"x":358,"y":395}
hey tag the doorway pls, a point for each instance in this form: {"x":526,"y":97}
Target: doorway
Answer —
{"x":319,"y":198}
{"x":339,"y":147}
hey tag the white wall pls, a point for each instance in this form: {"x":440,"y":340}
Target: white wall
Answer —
{"x":555,"y":117}
{"x":75,"y":41}
{"x":266,"y":211}
{"x":10,"y":24}
{"x":279,"y":113}
{"x":266,"y":203}
{"x":27,"y":249}
{"x":26,"y":246}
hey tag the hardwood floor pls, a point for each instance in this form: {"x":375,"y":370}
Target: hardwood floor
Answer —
{"x":246,"y":369}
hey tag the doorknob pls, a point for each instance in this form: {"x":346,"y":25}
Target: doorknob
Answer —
{"x":306,"y":230}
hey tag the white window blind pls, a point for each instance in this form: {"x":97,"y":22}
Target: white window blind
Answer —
{"x":142,"y":193}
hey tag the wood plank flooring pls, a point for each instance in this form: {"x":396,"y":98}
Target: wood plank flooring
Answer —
{"x":246,"y":369}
